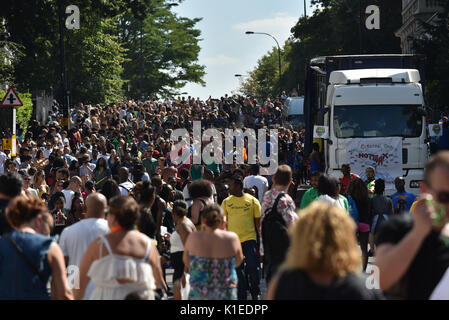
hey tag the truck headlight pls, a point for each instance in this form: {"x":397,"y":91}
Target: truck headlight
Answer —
{"x":415,"y":183}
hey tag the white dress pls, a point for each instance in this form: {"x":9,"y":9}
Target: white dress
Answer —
{"x":105,"y":271}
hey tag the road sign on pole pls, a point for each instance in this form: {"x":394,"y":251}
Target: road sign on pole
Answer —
{"x":10,"y":144}
{"x":11,"y":99}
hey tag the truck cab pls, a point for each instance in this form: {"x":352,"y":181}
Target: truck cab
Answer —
{"x":293,"y":112}
{"x":370,"y":103}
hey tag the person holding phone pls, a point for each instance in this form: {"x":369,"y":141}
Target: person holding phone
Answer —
{"x":413,"y":249}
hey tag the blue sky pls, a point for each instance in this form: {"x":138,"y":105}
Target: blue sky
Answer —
{"x":225,"y":48}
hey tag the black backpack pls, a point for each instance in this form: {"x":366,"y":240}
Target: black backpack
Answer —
{"x":275,"y":236}
{"x":401,"y":206}
{"x":380,"y":222}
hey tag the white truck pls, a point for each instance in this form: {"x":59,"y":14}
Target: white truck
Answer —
{"x":368,"y":102}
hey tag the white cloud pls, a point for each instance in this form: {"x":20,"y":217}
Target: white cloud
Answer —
{"x":278,"y":26}
{"x":220,"y":59}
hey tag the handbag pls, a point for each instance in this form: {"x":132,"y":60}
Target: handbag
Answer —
{"x":25,"y":259}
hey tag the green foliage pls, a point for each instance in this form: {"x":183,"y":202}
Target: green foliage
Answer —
{"x":23,"y":114}
{"x":333,"y":29}
{"x":264,"y":79}
{"x":103,"y":56}
{"x":435,"y":46}
{"x":94,"y":62}
{"x":169,"y":53}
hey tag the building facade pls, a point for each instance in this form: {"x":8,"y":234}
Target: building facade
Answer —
{"x":413,"y":13}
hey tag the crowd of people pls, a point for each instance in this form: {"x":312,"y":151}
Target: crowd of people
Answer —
{"x":103,"y":210}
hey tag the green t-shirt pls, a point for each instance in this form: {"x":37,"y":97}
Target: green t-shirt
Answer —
{"x":345,"y":201}
{"x":116,"y":143}
{"x":213,"y":167}
{"x":150,"y":165}
{"x":370,"y":185}
{"x":308,"y":197}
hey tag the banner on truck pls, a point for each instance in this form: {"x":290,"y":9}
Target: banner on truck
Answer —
{"x":435,"y":130}
{"x":384,"y":154}
{"x":321,"y":132}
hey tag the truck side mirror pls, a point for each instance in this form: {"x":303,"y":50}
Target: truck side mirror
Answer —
{"x":329,"y":142}
{"x":422,"y":112}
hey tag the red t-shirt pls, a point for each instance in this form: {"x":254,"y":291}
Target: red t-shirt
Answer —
{"x":345,"y":182}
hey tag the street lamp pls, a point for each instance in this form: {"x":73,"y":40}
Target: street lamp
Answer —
{"x":279,"y":53}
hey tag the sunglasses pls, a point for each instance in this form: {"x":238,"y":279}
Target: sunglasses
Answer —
{"x":443,"y":197}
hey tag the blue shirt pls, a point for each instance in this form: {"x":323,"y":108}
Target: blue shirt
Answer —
{"x":143,"y":145}
{"x":407,"y":196}
{"x":69,"y":158}
{"x":353,"y":211}
{"x":17,"y":281}
{"x":443,"y":141}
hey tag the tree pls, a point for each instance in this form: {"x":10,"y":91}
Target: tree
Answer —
{"x":434,"y":44}
{"x":97,"y":61}
{"x":9,"y":54}
{"x":169,"y":52}
{"x":333,"y":29}
{"x":264,"y":79}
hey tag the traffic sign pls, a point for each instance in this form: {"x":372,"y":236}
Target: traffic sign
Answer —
{"x":11,"y":99}
{"x":10,"y":144}
{"x":7,"y":144}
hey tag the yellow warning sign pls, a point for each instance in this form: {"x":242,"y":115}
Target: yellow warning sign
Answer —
{"x":7,"y":144}
{"x":10,"y":144}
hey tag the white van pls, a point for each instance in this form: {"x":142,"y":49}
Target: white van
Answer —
{"x":294,"y":111}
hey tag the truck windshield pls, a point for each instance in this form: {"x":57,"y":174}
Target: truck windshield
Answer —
{"x":377,"y":121}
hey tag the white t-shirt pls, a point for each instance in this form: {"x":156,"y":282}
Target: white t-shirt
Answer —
{"x":33,"y":192}
{"x":260,"y":182}
{"x":88,"y":122}
{"x":145,"y":177}
{"x":105,"y":157}
{"x":122,"y":114}
{"x":331,"y":201}
{"x":75,"y":239}
{"x":186,"y":194}
{"x":84,"y":170}
{"x":68,"y":194}
{"x":126,"y":187}
{"x":47,"y":152}
{"x":3,"y":158}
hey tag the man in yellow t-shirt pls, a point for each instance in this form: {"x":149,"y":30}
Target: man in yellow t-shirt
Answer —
{"x":242,"y":213}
